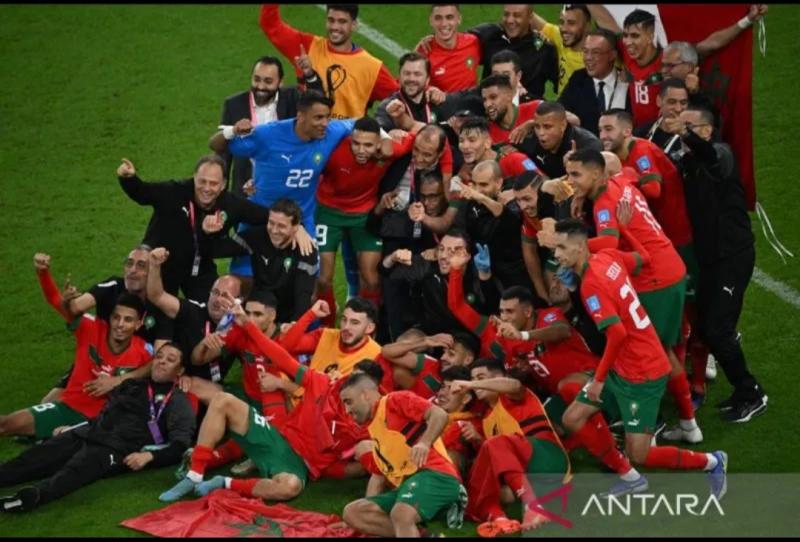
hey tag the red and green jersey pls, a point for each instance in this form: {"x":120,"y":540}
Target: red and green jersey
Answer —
{"x":93,"y":358}
{"x":427,"y":377}
{"x":556,"y":360}
{"x":452,"y":437}
{"x":610,"y":298}
{"x":652,"y":165}
{"x":455,"y":69}
{"x":350,"y":187}
{"x":644,"y":83}
{"x":514,"y":163}
{"x":238,"y":344}
{"x":522,"y":113}
{"x":666,"y":266}
{"x":405,"y":413}
{"x":530,"y":227}
{"x":525,"y":416}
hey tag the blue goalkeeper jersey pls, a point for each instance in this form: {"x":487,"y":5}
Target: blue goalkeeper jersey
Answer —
{"x":287,"y":167}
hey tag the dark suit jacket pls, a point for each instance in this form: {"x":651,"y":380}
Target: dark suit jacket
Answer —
{"x":579,"y":97}
{"x":236,"y":108}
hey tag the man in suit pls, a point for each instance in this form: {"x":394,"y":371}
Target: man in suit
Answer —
{"x":266,"y":101}
{"x":598,"y":86}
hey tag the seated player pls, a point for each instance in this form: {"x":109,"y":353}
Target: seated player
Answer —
{"x":144,"y":422}
{"x":631,"y":377}
{"x":103,"y":353}
{"x":520,"y":440}
{"x":409,"y":454}
{"x":461,"y":435}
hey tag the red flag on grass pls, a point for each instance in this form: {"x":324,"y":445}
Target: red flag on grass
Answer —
{"x":224,"y":513}
{"x":726,"y":76}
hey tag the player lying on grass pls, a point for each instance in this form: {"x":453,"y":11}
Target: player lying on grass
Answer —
{"x":145,"y":422}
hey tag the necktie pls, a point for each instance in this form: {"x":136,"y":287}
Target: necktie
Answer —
{"x":601,"y":96}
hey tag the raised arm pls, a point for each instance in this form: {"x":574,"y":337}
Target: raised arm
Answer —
{"x":603,"y":18}
{"x":455,"y":296}
{"x":284,"y":37}
{"x":51,"y":292}
{"x":166,"y":302}
{"x":721,"y":38}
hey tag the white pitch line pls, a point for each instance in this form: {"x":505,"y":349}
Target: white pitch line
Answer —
{"x":780,"y":289}
{"x":378,"y":38}
{"x":784,"y":291}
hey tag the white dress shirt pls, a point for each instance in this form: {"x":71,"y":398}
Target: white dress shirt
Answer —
{"x":614,"y":91}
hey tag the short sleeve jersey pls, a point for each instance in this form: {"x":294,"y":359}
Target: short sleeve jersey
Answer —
{"x":106,"y":294}
{"x":93,"y":358}
{"x":669,"y":208}
{"x":666,"y":266}
{"x":610,"y":298}
{"x":456,"y":69}
{"x":645,"y":83}
{"x":285,"y":165}
{"x":239,"y":345}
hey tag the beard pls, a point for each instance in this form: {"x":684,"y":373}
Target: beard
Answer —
{"x":263,"y":97}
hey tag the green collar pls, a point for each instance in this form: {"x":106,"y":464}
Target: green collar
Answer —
{"x":603,"y":188}
{"x":583,"y":269}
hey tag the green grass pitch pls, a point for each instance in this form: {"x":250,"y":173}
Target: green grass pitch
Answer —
{"x":84,"y":86}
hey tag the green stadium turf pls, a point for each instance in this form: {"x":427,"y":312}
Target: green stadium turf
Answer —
{"x":84,"y":86}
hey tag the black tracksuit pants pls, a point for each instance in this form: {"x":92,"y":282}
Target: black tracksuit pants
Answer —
{"x":63,"y":464}
{"x":720,"y":296}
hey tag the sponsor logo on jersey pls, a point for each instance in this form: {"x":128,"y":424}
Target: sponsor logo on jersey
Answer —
{"x":317,"y":157}
{"x":149,"y":322}
{"x":440,"y":71}
{"x":287,"y":263}
{"x":643,"y":163}
{"x":287,"y":157}
{"x":603,"y":216}
{"x":593,"y":303}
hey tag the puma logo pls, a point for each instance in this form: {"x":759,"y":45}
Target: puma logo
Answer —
{"x":729,"y":290}
{"x":111,"y":460}
{"x":185,"y":210}
{"x":287,"y":157}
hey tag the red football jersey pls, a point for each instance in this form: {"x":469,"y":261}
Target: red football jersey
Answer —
{"x":455,"y":69}
{"x":609,"y":298}
{"x":514,"y":163}
{"x":351,"y":187}
{"x":405,"y":412}
{"x":93,"y":358}
{"x":427,"y":375}
{"x":522,"y":113}
{"x":669,"y":208}
{"x":666,"y":266}
{"x":530,"y":227}
{"x":644,"y":85}
{"x":529,"y":414}
{"x":556,"y":360}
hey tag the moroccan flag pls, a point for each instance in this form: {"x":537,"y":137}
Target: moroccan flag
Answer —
{"x":224,"y":513}
{"x":726,"y":76}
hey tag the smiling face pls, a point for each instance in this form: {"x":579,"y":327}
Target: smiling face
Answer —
{"x":516,"y":20}
{"x":527,"y":200}
{"x":673,"y":66}
{"x":582,"y":177}
{"x":448,"y":246}
{"x":209,"y":183}
{"x":473,"y":144}
{"x":225,"y":283}
{"x":264,"y":83}
{"x":340,"y":26}
{"x":572,"y":25}
{"x":166,"y":364}
{"x":483,"y":373}
{"x":515,"y":313}
{"x":123,"y":324}
{"x":414,"y":78}
{"x":445,"y":20}
{"x":613,"y":133}
{"x":638,"y":41}
{"x":425,"y":152}
{"x":569,"y":250}
{"x":358,"y":401}
{"x":457,"y":356}
{"x":598,"y":56}
{"x":431,"y":194}
{"x":280,"y":229}
{"x":674,"y":102}
{"x":364,"y":146}
{"x":496,"y":102}
{"x":313,"y":122}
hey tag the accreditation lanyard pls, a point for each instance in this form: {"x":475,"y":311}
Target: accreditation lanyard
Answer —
{"x":213,"y":366}
{"x":427,"y":108}
{"x":152,"y":425}
{"x":192,"y":222}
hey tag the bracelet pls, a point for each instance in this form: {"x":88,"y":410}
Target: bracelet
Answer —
{"x":526,"y":336}
{"x":744,"y":23}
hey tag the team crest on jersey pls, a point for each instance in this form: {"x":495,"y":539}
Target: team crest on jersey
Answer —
{"x":470,"y":299}
{"x":643,"y":163}
{"x":469,"y":62}
{"x":550,"y":317}
{"x":603,"y":216}
{"x":287,"y":263}
{"x":634,"y":408}
{"x":613,"y":271}
{"x":433,"y":116}
{"x":654,"y":78}
{"x":317,"y":158}
{"x":149,"y":322}
{"x":593,"y":303}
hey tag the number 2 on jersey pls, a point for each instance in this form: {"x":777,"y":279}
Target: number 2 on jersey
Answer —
{"x":298,"y":178}
{"x":633,"y":308}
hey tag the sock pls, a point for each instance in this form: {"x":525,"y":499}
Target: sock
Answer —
{"x":350,"y":263}
{"x":630,"y":476}
{"x":571,"y":442}
{"x":200,"y":459}
{"x":688,"y":425}
{"x":712,"y":462}
{"x":678,"y":387}
{"x":327,"y":295}
{"x":244,"y":486}
{"x":371,"y":295}
{"x":671,"y":457}
{"x":699,"y":354}
{"x":335,"y":470}
{"x":222,"y":455}
{"x":518,"y":482}
{"x":597,"y":438}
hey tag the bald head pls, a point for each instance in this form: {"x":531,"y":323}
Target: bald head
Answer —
{"x":487,"y":178}
{"x":613,"y":164}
